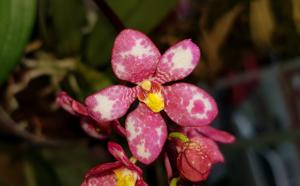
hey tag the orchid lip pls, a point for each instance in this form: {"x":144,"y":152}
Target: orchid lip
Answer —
{"x":151,"y":95}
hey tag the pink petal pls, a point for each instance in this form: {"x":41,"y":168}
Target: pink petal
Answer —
{"x":211,"y":148}
{"x":110,"y":103}
{"x":146,"y":133}
{"x":70,"y":105}
{"x":215,"y":134}
{"x":119,"y":128}
{"x":103,"y":169}
{"x":168,"y":166}
{"x":88,"y":126}
{"x":117,"y":151}
{"x":104,"y":180}
{"x":188,"y":105}
{"x":178,"y":61}
{"x":134,"y":56}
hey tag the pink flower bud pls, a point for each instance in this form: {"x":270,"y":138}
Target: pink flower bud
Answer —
{"x":196,"y":157}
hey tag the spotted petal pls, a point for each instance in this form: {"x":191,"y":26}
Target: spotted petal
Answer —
{"x":188,"y":105}
{"x":134,"y":56}
{"x":178,"y":62}
{"x":146,"y":133}
{"x":110,"y":103}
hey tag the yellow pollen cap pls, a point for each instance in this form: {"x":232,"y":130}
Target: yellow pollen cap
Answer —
{"x":155,"y":102}
{"x":146,"y":85}
{"x":125,"y":177}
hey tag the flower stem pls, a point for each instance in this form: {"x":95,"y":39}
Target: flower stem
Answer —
{"x":111,"y":15}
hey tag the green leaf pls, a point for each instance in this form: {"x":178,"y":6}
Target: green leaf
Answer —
{"x":16,"y":18}
{"x":142,"y":15}
{"x":61,"y":24}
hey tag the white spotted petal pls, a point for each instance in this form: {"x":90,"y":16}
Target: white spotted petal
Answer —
{"x":110,"y":103}
{"x":188,"y":105}
{"x":134,"y":56}
{"x":177,"y":62}
{"x":146,"y":133}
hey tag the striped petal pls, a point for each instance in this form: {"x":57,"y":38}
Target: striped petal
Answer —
{"x":178,"y":62}
{"x":110,"y":103}
{"x":188,"y":105}
{"x":134,"y":56}
{"x":146,"y":133}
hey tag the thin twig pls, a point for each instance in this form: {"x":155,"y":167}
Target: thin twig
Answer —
{"x":110,"y":14}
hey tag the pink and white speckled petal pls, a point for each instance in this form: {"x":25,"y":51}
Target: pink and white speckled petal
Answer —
{"x":188,"y":105}
{"x":177,"y":62}
{"x":88,"y":126}
{"x":215,"y":134}
{"x":117,"y":151}
{"x":104,"y":180}
{"x":110,"y":103}
{"x":134,"y":56}
{"x":146,"y":133}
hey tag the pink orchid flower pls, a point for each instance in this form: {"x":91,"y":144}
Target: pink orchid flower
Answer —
{"x":136,"y":59}
{"x":123,"y":172}
{"x":197,"y":156}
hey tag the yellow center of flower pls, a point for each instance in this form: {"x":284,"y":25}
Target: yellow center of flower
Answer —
{"x":155,"y":102}
{"x":125,"y":177}
{"x":151,"y":95}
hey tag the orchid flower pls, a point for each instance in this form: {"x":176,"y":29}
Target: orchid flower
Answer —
{"x":198,"y":152}
{"x":137,"y":60}
{"x":123,"y":172}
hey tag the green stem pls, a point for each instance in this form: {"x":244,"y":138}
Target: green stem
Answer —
{"x":174,"y":181}
{"x":179,"y":136}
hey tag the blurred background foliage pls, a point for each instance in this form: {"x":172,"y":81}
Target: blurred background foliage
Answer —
{"x":49,"y":45}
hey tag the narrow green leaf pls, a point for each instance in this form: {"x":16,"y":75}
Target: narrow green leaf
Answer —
{"x":16,"y":18}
